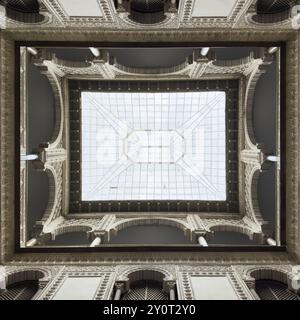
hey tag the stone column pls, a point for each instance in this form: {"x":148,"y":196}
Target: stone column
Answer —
{"x":119,"y":289}
{"x":202,"y":241}
{"x":96,"y":242}
{"x":251,"y":285}
{"x":169,"y":287}
{"x":2,"y":279}
{"x":172,"y":295}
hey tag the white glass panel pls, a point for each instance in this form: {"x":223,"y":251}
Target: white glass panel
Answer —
{"x":81,"y":8}
{"x":82,"y":288}
{"x":153,"y":146}
{"x":213,"y":288}
{"x":213,"y":8}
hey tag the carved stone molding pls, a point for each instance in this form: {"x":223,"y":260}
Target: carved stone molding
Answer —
{"x":55,"y":173}
{"x":55,"y":16}
{"x":106,"y":7}
{"x":233,"y":225}
{"x":44,"y":275}
{"x":253,"y":156}
{"x":55,"y":80}
{"x":241,"y":277}
{"x":286,"y":274}
{"x":187,"y":20}
{"x":192,"y":225}
{"x":129,"y":274}
{"x":103,"y":291}
{"x":105,"y":67}
{"x":184,"y":285}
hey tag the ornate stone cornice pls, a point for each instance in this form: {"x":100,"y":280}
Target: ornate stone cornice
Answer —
{"x":105,"y":67}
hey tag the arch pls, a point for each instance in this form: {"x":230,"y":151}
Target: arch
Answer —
{"x":126,"y":18}
{"x":249,"y":100}
{"x":271,"y":18}
{"x":24,"y":290}
{"x":275,"y":280}
{"x":146,"y":275}
{"x":53,"y":210}
{"x":274,"y":290}
{"x":25,"y":12}
{"x":150,"y":235}
{"x":159,"y":281}
{"x":268,"y":274}
{"x":233,"y":228}
{"x":70,"y":228}
{"x":59,"y":110}
{"x":42,"y":63}
{"x":234,"y":62}
{"x":25,"y":17}
{"x":125,"y":223}
{"x":252,"y":174}
{"x":71,"y":64}
{"x":15,"y":276}
{"x":163,"y":71}
{"x":24,"y":284}
{"x":149,"y":273}
{"x":146,"y":12}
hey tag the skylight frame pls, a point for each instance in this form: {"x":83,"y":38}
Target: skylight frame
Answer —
{"x":231,"y":204}
{"x":145,"y":146}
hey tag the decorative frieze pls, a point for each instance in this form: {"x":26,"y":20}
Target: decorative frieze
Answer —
{"x":186,"y":273}
{"x":105,"y":67}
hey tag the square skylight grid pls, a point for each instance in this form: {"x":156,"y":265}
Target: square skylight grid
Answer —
{"x":153,"y":146}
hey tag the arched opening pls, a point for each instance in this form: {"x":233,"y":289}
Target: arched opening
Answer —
{"x":266,"y":200}
{"x":147,"y":11}
{"x":22,"y":285}
{"x":274,"y":290}
{"x":271,"y":284}
{"x":230,"y":235}
{"x":146,"y":285}
{"x":273,"y":11}
{"x":38,"y":196}
{"x":150,"y":234}
{"x":23,"y":11}
{"x":24,"y":290}
{"x":273,"y":6}
{"x":229,"y":238}
{"x":145,"y":290}
{"x":71,"y":235}
{"x":70,"y":239}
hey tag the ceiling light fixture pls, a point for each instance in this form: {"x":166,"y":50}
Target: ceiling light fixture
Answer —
{"x":272,"y":50}
{"x":95,"y":51}
{"x":32,"y":51}
{"x":204,"y":51}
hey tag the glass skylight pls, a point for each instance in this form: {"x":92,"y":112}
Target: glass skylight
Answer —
{"x":153,"y":146}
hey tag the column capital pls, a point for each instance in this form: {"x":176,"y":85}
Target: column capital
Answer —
{"x":120,"y":286}
{"x":47,"y":154}
{"x":169,"y":284}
